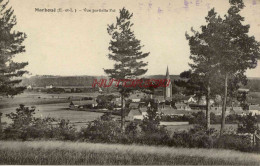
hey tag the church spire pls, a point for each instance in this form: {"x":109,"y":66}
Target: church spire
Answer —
{"x":168,"y":89}
{"x":167,"y":73}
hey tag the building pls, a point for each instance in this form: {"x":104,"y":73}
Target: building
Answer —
{"x":189,"y":99}
{"x":116,"y":102}
{"x":83,"y":104}
{"x":168,"y":89}
{"x":29,"y":87}
{"x":182,"y":106}
{"x":243,"y":90}
{"x":229,"y":110}
{"x":134,"y":114}
{"x":49,"y":87}
{"x":202,"y":101}
{"x":254,"y":109}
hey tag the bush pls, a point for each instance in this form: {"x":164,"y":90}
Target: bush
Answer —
{"x":235,"y":142}
{"x":197,"y":137}
{"x":151,"y":132}
{"x":249,"y":124}
{"x":102,"y":130}
{"x":26,"y":127}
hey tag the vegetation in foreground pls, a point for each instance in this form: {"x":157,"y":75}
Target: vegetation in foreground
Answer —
{"x":56,"y":152}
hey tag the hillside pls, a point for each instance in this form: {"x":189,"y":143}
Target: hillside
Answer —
{"x":42,"y":81}
{"x":86,"y":81}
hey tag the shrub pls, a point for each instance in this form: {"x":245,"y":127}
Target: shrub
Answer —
{"x":249,"y":124}
{"x":102,"y":130}
{"x":151,"y":132}
{"x":197,"y":137}
{"x":235,"y":142}
{"x":65,"y":131}
{"x":25,"y":126}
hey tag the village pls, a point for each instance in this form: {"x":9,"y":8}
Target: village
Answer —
{"x":170,"y":107}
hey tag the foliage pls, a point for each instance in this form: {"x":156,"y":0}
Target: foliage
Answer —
{"x":197,"y":137}
{"x":104,"y":129}
{"x":152,"y":132}
{"x":104,"y":101}
{"x":249,"y":124}
{"x":11,"y":44}
{"x":55,"y":90}
{"x":125,"y":50}
{"x":234,"y":142}
{"x":224,"y":50}
{"x":198,"y":118}
{"x":25,"y":126}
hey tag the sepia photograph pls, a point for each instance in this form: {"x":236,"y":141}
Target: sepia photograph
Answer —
{"x":132,"y":82}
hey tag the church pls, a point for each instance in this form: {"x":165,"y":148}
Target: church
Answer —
{"x":167,"y":92}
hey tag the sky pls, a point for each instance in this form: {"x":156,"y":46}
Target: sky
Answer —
{"x":76,"y":43}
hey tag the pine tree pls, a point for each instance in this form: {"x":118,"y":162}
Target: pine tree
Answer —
{"x":237,"y":52}
{"x":203,"y":74}
{"x":10,"y":45}
{"x":125,"y":50}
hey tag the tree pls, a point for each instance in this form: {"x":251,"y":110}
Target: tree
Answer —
{"x":203,"y":76}
{"x":10,"y":45}
{"x":237,"y":52}
{"x":249,"y":124}
{"x":125,"y":50}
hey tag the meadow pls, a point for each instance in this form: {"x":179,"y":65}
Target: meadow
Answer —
{"x":56,"y":152}
{"x":49,"y":105}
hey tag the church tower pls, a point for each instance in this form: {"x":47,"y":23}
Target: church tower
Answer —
{"x":168,"y":89}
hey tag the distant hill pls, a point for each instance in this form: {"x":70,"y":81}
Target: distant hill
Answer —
{"x":46,"y":80}
{"x":42,"y":81}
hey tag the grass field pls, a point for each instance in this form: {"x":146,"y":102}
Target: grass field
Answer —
{"x":49,"y":105}
{"x":54,"y":152}
{"x":40,"y":98}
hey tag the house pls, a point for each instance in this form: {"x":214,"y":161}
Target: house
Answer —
{"x":49,"y":87}
{"x":143,"y":111}
{"x":202,"y":101}
{"x":172,"y":112}
{"x":159,"y":99}
{"x":83,"y":104}
{"x":254,"y":109}
{"x":29,"y":87}
{"x":134,"y":105}
{"x":229,"y":110}
{"x":217,"y":110}
{"x":189,"y":99}
{"x":137,"y":96}
{"x":241,"y":90}
{"x":134,"y":114}
{"x":116,"y":102}
{"x":237,"y":111}
{"x":182,"y":106}
{"x":136,"y":100}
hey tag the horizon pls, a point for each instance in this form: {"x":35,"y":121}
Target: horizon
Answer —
{"x":108,"y":76}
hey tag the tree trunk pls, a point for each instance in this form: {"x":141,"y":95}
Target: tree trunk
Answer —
{"x":122,"y":113}
{"x":0,"y":122}
{"x":224,"y":106}
{"x":208,"y":108}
